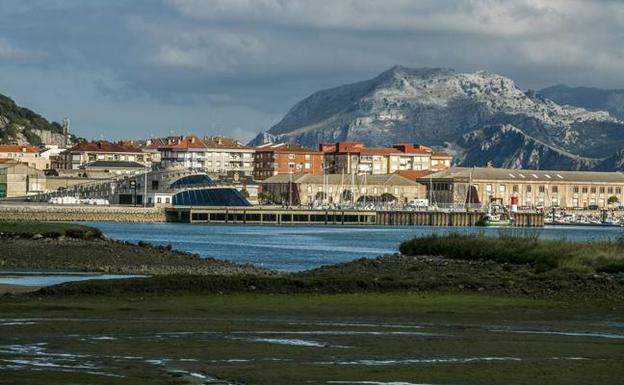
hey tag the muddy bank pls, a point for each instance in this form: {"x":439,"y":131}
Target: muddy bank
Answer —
{"x":489,"y":277}
{"x":40,"y":253}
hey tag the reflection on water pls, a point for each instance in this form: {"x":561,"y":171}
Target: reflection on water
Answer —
{"x":300,"y":247}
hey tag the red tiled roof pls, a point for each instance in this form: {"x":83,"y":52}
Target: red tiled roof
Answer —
{"x":189,"y":141}
{"x":285,"y":147}
{"x":224,"y":142}
{"x":413,"y":174}
{"x":409,"y":148}
{"x":18,"y":148}
{"x":378,"y":151}
{"x":103,"y":146}
{"x":440,"y":155}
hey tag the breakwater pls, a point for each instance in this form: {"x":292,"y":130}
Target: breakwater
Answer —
{"x":81,"y":213}
{"x":264,"y":215}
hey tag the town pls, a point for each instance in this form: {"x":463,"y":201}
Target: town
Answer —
{"x":216,"y":171}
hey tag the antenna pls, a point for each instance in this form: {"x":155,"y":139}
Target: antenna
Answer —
{"x":65,"y":126}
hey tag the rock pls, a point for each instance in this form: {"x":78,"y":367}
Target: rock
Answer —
{"x":37,"y":236}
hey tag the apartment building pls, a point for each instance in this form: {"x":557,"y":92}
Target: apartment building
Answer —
{"x":217,"y":155}
{"x":355,"y":157}
{"x":28,"y":155}
{"x":286,"y":158}
{"x":79,"y":155}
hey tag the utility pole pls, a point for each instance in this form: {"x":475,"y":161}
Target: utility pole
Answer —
{"x":145,"y":188}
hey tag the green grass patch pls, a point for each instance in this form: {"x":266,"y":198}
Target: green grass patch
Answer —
{"x":543,"y":254}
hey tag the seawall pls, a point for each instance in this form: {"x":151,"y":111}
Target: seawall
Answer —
{"x":81,"y":213}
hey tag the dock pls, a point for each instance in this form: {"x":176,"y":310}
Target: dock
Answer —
{"x":282,"y":216}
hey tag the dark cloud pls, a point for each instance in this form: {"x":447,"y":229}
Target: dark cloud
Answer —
{"x":139,"y":67}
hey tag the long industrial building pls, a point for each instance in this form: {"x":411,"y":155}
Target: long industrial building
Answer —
{"x":532,"y":188}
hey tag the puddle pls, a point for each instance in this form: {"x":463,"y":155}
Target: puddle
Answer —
{"x":459,"y":360}
{"x":560,"y":333}
{"x":340,"y":332}
{"x":291,"y":342}
{"x":375,"y":383}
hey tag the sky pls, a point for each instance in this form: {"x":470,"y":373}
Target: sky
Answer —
{"x":140,"y":68}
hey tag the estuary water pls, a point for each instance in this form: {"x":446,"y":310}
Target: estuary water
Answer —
{"x":300,"y":247}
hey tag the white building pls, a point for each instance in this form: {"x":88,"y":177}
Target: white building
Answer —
{"x":213,"y":154}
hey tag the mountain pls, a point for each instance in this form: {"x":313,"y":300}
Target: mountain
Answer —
{"x":479,"y":117}
{"x":595,"y":99}
{"x":19,"y":125}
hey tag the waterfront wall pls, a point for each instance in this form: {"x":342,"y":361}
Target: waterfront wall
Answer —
{"x":81,"y":213}
{"x":260,"y":215}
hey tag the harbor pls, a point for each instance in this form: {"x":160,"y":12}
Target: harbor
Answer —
{"x":261,"y":215}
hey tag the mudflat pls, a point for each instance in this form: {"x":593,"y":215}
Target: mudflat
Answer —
{"x":361,"y":338}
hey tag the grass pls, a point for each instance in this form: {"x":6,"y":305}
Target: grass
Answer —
{"x":544,"y":254}
{"x":26,"y":229}
{"x":203,"y":333}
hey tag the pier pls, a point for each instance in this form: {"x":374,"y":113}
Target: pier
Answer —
{"x":263,"y":215}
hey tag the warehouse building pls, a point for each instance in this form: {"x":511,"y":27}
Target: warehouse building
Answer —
{"x":308,"y":189}
{"x":532,"y":188}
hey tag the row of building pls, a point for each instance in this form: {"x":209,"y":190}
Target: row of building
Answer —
{"x":221,"y":156}
{"x":456,"y":187}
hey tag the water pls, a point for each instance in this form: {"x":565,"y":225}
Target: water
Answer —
{"x":300,"y":247}
{"x":41,"y":279}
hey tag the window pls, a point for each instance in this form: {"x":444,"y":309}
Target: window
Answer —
{"x":529,"y":189}
{"x":488,"y":188}
{"x":592,"y":190}
{"x":542,"y":188}
{"x":584,"y":190}
{"x":514,"y":188}
{"x":167,"y":200}
{"x":610,"y":190}
{"x":159,"y":200}
{"x":602,"y":190}
{"x":618,"y":190}
{"x":154,"y":185}
{"x":575,"y":189}
{"x":555,"y":189}
{"x":501,"y":188}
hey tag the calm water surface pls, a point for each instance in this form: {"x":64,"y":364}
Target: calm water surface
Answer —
{"x":42,"y":279}
{"x":300,"y":247}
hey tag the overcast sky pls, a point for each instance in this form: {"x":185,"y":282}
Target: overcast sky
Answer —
{"x":138,"y":68}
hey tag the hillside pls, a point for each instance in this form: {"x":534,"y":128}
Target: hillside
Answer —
{"x":479,"y":117}
{"x":595,"y":99}
{"x":19,"y":125}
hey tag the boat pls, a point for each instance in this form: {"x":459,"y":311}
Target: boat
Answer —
{"x":495,"y":220}
{"x":496,"y":215}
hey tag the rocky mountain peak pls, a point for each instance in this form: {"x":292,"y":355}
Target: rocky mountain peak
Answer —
{"x":444,"y":108}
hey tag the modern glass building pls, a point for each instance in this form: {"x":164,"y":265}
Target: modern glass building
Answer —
{"x":210,"y":197}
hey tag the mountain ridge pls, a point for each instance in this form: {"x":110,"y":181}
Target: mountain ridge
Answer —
{"x":439,"y":107}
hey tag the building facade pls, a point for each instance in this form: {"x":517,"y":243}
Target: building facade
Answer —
{"x":28,"y":155}
{"x":19,"y":179}
{"x":355,"y":157}
{"x":286,"y":158}
{"x":86,"y":152}
{"x":217,"y":155}
{"x":307,"y":189}
{"x":531,"y":188}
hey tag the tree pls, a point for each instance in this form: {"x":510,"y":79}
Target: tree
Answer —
{"x":612,"y":200}
{"x":387,"y":197}
{"x":245,"y":193}
{"x":347,"y":196}
{"x":320,"y":196}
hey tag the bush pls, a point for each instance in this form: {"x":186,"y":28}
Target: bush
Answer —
{"x":509,"y":247}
